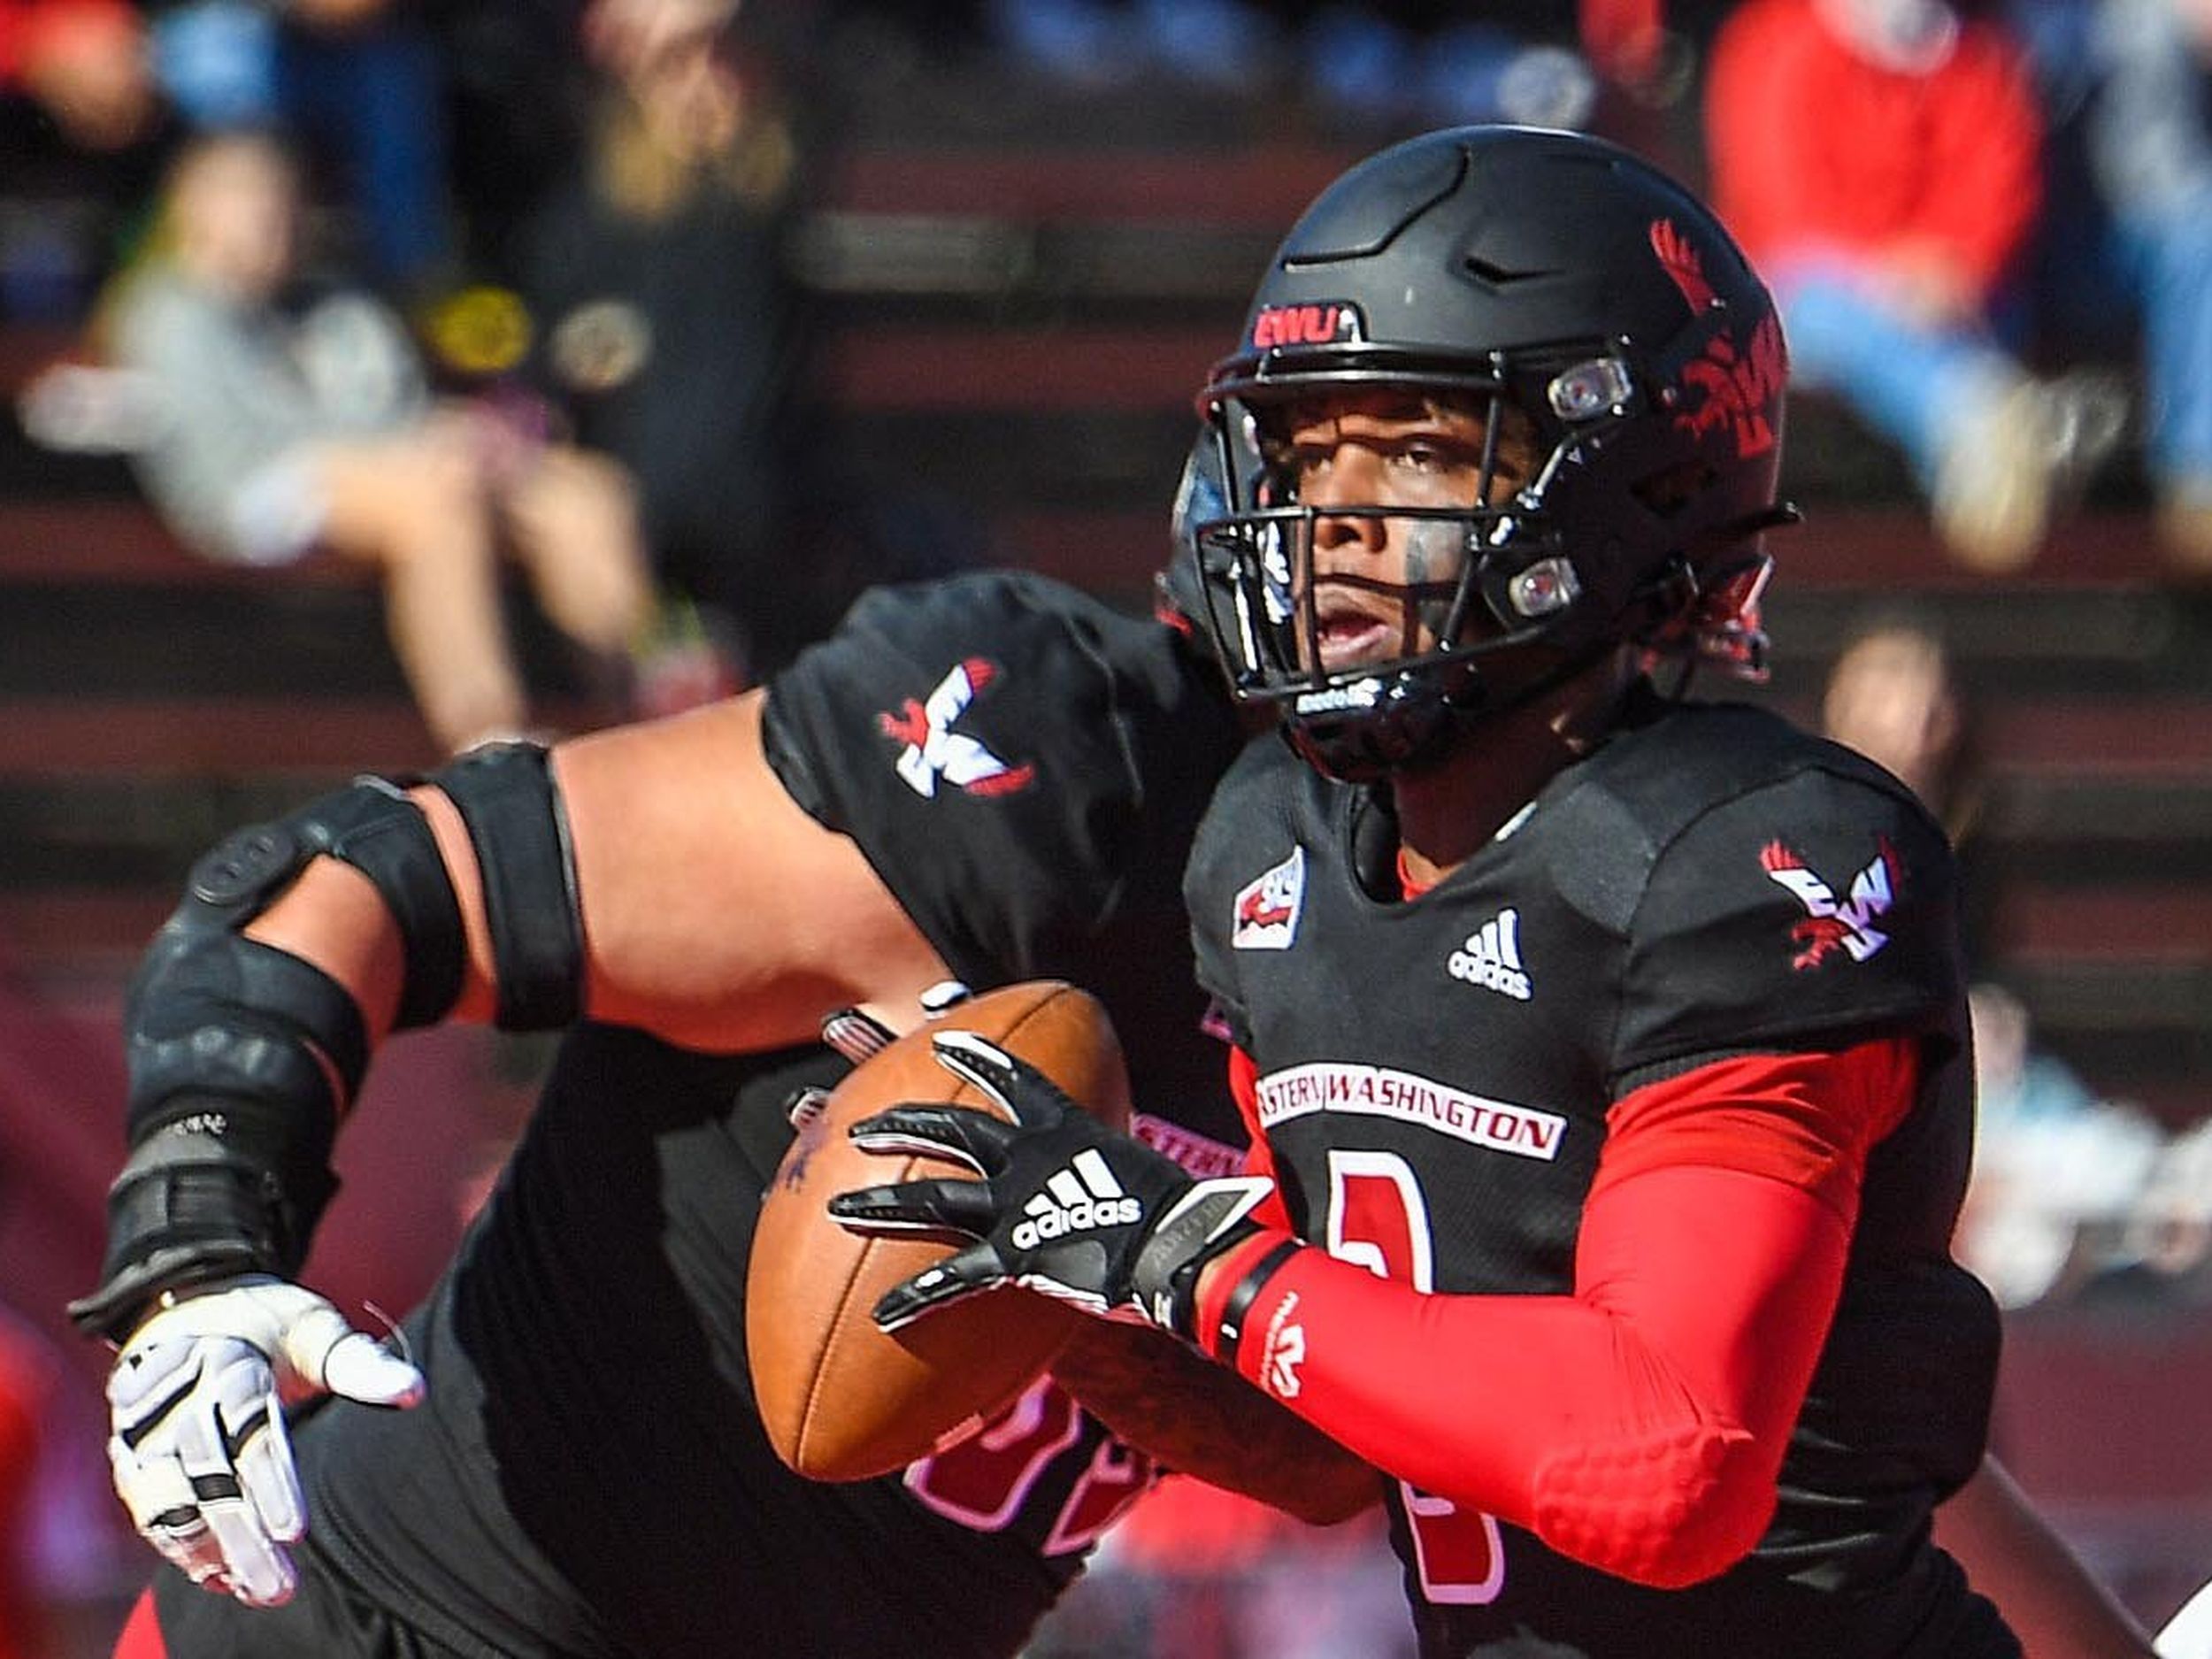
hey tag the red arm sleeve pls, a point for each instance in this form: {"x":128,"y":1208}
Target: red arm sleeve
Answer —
{"x":1638,"y":1423}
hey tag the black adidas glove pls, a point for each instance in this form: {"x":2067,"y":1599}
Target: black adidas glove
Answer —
{"x":1066,"y":1206}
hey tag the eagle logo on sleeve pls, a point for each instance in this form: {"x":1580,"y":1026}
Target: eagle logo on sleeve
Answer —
{"x":930,"y":749}
{"x":1831,"y":923}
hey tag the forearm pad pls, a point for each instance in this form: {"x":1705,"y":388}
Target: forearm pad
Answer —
{"x":241,"y":1059}
{"x":198,"y":1202}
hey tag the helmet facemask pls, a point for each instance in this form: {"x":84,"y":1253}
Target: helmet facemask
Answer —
{"x":1480,"y":596}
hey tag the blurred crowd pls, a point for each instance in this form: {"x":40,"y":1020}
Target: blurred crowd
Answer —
{"x":445,"y":288}
{"x":2076,"y":1199}
{"x":1989,"y":221}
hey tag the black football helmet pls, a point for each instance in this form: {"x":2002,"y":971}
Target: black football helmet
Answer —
{"x":1565,"y":277}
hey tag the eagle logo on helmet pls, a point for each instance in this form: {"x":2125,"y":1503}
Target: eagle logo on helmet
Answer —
{"x":1735,"y":382}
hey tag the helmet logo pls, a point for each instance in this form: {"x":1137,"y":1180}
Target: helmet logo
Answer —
{"x":1739,"y":387}
{"x":1331,"y":322}
{"x":1682,"y":262}
{"x":1738,"y":382}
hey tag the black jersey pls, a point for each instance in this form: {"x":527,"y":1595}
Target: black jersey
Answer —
{"x":587,"y":1475}
{"x":1709,"y":882}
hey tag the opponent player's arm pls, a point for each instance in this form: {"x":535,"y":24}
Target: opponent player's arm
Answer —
{"x":1192,"y":1415}
{"x":658,"y":875}
{"x":2056,"y":1605}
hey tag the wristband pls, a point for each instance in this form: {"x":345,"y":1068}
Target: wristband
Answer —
{"x":1228,"y":1329}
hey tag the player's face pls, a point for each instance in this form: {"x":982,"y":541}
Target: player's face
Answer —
{"x":1382,"y":583}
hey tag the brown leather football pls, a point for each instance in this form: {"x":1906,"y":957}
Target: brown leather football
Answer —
{"x":844,"y":1401}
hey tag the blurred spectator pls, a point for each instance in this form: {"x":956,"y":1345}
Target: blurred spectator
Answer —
{"x":1880,"y":160}
{"x":2130,"y":231}
{"x":293,"y":417}
{"x":2163,"y":1257}
{"x":633,"y":37}
{"x":1366,"y":63}
{"x":83,"y":131}
{"x":2055,"y":1170}
{"x":358,"y":84}
{"x":675,"y":332}
{"x":1235,"y":46}
{"x":1890,"y":695}
{"x":1894,"y":694}
{"x":671,"y":326}
{"x":2058,"y":1173}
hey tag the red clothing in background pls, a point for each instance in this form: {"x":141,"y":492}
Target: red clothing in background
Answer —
{"x":1815,"y":148}
{"x":26,"y":1384}
{"x":30,"y":28}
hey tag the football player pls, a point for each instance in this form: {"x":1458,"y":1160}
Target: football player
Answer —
{"x":1605,"y":1051}
{"x":990,"y":778}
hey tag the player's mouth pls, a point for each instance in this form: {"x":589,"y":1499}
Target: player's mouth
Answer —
{"x":1347,"y":633}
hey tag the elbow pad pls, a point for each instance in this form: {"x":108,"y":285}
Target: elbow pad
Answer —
{"x":1668,"y":1509}
{"x":505,"y":796}
{"x":243,"y":1058}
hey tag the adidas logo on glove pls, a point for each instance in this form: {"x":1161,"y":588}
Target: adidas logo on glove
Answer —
{"x":1081,"y":1198}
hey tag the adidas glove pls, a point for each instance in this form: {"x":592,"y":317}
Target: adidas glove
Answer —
{"x":1065,"y":1206}
{"x":197,"y":1439}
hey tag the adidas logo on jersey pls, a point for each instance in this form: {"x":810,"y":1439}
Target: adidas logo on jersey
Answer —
{"x":1081,"y":1198}
{"x":1491,"y":957}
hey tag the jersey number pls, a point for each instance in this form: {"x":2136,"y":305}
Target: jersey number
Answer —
{"x":983,"y":1481}
{"x":1379,"y":1219}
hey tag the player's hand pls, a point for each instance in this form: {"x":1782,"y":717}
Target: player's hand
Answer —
{"x":197,"y":1439}
{"x":1065,"y":1206}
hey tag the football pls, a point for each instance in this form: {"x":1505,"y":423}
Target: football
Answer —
{"x":842,"y":1400}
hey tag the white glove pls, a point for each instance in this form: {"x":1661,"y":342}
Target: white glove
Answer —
{"x":198,"y":1445}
